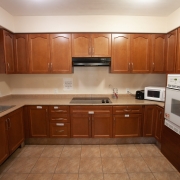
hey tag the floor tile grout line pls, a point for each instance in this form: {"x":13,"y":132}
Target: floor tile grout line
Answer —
{"x":101,"y":161}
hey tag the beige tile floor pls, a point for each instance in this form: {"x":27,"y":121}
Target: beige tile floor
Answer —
{"x":88,"y":162}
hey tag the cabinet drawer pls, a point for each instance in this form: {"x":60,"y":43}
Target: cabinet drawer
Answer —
{"x":127,"y":109}
{"x":59,"y":109}
{"x":59,"y":118}
{"x":60,"y":130}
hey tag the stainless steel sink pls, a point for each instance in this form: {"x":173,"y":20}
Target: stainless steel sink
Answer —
{"x":4,"y":108}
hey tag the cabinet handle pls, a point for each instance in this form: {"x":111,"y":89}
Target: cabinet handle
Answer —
{"x":126,"y":110}
{"x":6,"y":124}
{"x":60,"y":131}
{"x":91,"y":112}
{"x":59,"y":111}
{"x":132,"y":66}
{"x":59,"y":119}
{"x":9,"y":123}
{"x":8,"y":65}
{"x":59,"y":124}
{"x":39,"y":107}
{"x":153,"y":67}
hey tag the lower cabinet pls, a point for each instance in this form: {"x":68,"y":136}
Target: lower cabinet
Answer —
{"x":38,"y":121}
{"x":11,"y":133}
{"x":91,"y":121}
{"x":127,"y":121}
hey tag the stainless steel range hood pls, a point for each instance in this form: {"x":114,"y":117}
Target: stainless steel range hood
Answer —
{"x":91,"y":61}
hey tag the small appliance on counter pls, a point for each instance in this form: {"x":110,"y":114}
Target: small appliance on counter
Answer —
{"x":140,"y":94}
{"x":154,"y":93}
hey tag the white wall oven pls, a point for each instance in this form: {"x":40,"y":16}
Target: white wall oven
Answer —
{"x":172,"y":103}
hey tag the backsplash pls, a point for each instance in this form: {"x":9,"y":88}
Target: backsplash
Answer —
{"x":86,"y":80}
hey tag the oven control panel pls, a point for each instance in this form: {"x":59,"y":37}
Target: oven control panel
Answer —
{"x":173,"y":81}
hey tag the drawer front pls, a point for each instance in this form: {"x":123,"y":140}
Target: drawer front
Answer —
{"x":59,"y":109}
{"x":58,"y":130}
{"x":127,"y":109}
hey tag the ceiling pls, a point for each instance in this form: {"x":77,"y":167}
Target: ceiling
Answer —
{"x":90,"y":7}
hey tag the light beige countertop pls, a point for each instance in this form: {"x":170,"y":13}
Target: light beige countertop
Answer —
{"x":22,"y":100}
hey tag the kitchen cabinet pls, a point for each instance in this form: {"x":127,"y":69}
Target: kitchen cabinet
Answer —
{"x":127,"y":121}
{"x":39,"y":53}
{"x":158,"y":53}
{"x":91,"y":121}
{"x":91,"y":45}
{"x":159,"y":121}
{"x":171,"y":51}
{"x":21,"y":53}
{"x":59,"y":121}
{"x":38,"y":121}
{"x":149,"y":120}
{"x":6,"y":52}
{"x":178,"y":52}
{"x":140,"y":53}
{"x":120,"y":61}
{"x":61,"y":60}
{"x":12,"y":133}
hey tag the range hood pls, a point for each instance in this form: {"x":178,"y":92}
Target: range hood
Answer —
{"x":91,"y":61}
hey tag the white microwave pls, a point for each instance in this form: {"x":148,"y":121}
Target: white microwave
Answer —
{"x":154,"y":93}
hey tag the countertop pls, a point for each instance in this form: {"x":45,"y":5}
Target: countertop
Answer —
{"x":22,"y":100}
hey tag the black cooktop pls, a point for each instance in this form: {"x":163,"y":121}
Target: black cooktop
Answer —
{"x":90,"y":100}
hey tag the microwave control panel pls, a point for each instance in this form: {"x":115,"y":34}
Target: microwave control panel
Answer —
{"x":173,"y":81}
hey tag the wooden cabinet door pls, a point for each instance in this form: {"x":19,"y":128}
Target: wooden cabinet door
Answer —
{"x":38,"y":121}
{"x":127,"y":125}
{"x":178,"y":52}
{"x":101,"y":45}
{"x":159,"y":123}
{"x":149,"y":121}
{"x":61,"y":60}
{"x":21,"y":53}
{"x":158,"y":53}
{"x":102,"y":125}
{"x":80,"y":125}
{"x":39,"y":53}
{"x":8,"y":51}
{"x":140,"y":53}
{"x":4,"y":152}
{"x":120,"y":61}
{"x":81,"y":45}
{"x":171,"y":51}
{"x":15,"y":130}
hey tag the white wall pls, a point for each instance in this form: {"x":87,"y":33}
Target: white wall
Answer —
{"x":6,"y":20}
{"x":86,"y":80}
{"x":90,"y":24}
{"x":4,"y":85}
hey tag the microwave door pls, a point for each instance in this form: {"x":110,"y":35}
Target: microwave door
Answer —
{"x":172,"y":106}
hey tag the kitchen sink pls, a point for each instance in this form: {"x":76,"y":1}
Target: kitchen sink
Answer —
{"x":4,"y":108}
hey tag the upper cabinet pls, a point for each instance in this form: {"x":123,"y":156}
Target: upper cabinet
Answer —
{"x":39,"y":53}
{"x":6,"y":52}
{"x":120,"y":61}
{"x":178,"y":52}
{"x":171,"y":51}
{"x":140,"y":53}
{"x":21,"y":53}
{"x":91,"y":45}
{"x":61,"y":61}
{"x":158,"y":53}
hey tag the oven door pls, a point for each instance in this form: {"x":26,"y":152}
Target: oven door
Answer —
{"x":172,"y":106}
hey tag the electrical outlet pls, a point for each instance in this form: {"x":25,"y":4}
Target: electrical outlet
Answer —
{"x":68,"y":84}
{"x":127,"y":90}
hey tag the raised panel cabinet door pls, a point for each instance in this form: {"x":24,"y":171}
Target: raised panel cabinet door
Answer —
{"x":80,"y":125}
{"x":81,"y":45}
{"x":8,"y":51}
{"x":38,"y":121}
{"x":101,"y":45}
{"x":39,"y":53}
{"x":4,"y":152}
{"x":159,"y":123}
{"x":149,"y":121}
{"x":140,"y":53}
{"x":171,"y":51}
{"x":178,"y":53}
{"x":15,"y":130}
{"x":158,"y":53}
{"x":120,"y":61}
{"x":127,"y":125}
{"x":21,"y":53}
{"x":102,"y":125}
{"x":61,"y":60}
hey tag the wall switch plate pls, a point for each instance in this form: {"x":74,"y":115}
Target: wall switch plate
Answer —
{"x":68,"y":84}
{"x":127,"y":90}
